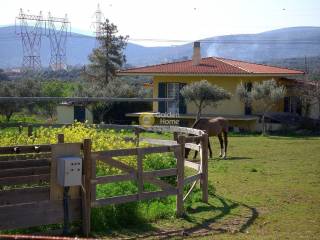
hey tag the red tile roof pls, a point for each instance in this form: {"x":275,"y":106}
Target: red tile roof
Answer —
{"x":210,"y":66}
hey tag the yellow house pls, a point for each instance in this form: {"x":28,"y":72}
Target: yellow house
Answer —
{"x":169,"y":78}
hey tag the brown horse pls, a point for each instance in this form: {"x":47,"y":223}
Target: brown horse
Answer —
{"x":213,"y":127}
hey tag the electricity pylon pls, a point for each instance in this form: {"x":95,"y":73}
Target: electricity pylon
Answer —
{"x":58,"y":31}
{"x":30,"y":27}
{"x":97,"y":24}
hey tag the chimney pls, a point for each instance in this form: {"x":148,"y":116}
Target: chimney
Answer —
{"x":196,"y":57}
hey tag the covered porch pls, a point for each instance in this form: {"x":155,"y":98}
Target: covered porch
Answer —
{"x":237,"y":122}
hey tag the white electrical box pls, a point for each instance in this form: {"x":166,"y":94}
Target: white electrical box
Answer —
{"x":69,"y":171}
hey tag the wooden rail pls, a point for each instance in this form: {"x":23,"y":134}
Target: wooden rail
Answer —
{"x":25,"y":173}
{"x":32,"y":214}
{"x":23,"y":195}
{"x":25,"y":149}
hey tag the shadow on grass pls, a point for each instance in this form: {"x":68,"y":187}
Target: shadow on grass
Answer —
{"x":225,"y":209}
{"x":293,"y":137}
{"x":235,"y":158}
{"x":206,"y":227}
{"x":131,"y":232}
{"x":214,"y":158}
{"x":303,"y":134}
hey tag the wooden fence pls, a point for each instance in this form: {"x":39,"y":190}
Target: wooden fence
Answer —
{"x":25,"y":173}
{"x":30,"y":195}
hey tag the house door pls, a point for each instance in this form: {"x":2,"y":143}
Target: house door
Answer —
{"x":80,"y":113}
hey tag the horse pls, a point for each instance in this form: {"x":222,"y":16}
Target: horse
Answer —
{"x":213,"y":127}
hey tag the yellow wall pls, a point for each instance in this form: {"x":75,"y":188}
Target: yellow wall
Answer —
{"x":228,"y":107}
{"x":65,"y":114}
{"x":89,"y":116}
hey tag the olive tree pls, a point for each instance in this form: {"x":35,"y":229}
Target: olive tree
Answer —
{"x":115,"y":88}
{"x":7,"y":89}
{"x":266,"y":94}
{"x":309,"y":93}
{"x":203,"y":94}
{"x":53,"y":89}
{"x":17,"y":88}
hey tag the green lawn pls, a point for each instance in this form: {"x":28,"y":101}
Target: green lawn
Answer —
{"x":275,"y":181}
{"x":269,"y":188}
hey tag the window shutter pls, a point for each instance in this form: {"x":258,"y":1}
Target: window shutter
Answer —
{"x":286,"y":104}
{"x":162,"y":93}
{"x":182,"y":103}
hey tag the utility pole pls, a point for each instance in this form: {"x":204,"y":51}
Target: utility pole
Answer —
{"x":58,"y":31}
{"x":30,"y":33}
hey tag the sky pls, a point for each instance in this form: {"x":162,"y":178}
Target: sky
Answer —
{"x":174,"y":19}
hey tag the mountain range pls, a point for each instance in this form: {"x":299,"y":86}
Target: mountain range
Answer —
{"x":278,"y":44}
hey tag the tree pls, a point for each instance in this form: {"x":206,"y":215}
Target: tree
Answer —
{"x":115,"y":88}
{"x":309,"y":92}
{"x":108,"y":57}
{"x":18,"y":88}
{"x":7,"y":89}
{"x":266,"y":94}
{"x":203,"y":94}
{"x":53,"y":89}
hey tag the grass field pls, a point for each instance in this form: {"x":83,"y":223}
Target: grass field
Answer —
{"x":269,"y":188}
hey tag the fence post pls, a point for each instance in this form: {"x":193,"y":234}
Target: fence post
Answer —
{"x":204,"y":167}
{"x":175,"y":136}
{"x":140,"y":156}
{"x":20,"y":128}
{"x":86,"y":194}
{"x":180,"y":175}
{"x":56,"y":191}
{"x":30,"y":129}
{"x":60,"y":138}
{"x":137,"y":134}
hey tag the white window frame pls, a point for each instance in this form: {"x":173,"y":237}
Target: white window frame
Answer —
{"x":173,"y":107}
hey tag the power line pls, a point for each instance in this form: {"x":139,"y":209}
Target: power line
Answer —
{"x":208,"y":41}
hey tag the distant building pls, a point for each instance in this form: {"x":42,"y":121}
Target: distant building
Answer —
{"x":69,"y":112}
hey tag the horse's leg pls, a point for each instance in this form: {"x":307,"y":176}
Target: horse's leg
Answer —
{"x":209,"y":146}
{"x":195,"y":154}
{"x":225,"y":136}
{"x":221,"y":143}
